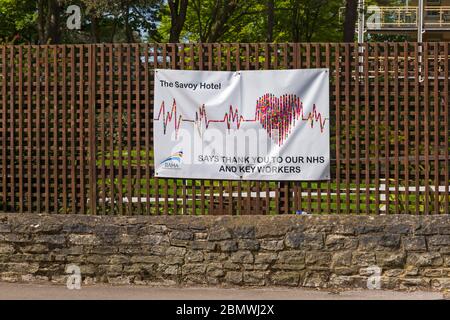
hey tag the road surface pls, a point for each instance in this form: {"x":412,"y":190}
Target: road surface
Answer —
{"x":49,"y":292}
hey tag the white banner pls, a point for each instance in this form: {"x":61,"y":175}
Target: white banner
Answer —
{"x":250,"y":125}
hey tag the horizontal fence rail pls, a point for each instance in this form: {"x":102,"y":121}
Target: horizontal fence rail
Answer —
{"x":76,"y":130}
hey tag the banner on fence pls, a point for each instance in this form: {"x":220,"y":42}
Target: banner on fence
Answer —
{"x":250,"y":125}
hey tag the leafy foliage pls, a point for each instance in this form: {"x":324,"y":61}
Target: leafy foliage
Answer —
{"x":44,"y":21}
{"x":17,"y":21}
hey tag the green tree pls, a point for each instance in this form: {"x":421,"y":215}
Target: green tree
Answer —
{"x":117,"y":21}
{"x":178,"y":11}
{"x":44,"y":21}
{"x":351,"y":15}
{"x":49,"y":21}
{"x":18,"y":21}
{"x":309,"y":20}
{"x":256,"y":21}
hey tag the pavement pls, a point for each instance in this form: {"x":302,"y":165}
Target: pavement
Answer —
{"x":15,"y":291}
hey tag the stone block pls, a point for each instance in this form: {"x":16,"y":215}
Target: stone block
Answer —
{"x":391,"y":259}
{"x":242,"y":257}
{"x":176,"y":251}
{"x":291,"y":257}
{"x":215,"y":270}
{"x":414,"y":243}
{"x":272,"y":245}
{"x":363,"y":259}
{"x":255,"y":278}
{"x":290,"y":279}
{"x":181,"y":235}
{"x":219,"y":234}
{"x":6,"y":248}
{"x":341,"y":259}
{"x":234,"y":277}
{"x":438,"y":241}
{"x":379,"y":242}
{"x":228,"y":246}
{"x":83,"y":239}
{"x":320,"y":259}
{"x":248,"y":244}
{"x":427,"y":259}
{"x":265,"y":257}
{"x":193,"y":256}
{"x":244,"y":232}
{"x":340,"y":242}
{"x":194,"y":268}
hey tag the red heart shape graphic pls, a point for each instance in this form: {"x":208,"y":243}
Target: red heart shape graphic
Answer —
{"x":278,"y":115}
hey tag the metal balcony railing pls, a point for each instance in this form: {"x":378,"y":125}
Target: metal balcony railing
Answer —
{"x":405,"y":18}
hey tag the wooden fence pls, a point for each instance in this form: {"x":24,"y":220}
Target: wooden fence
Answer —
{"x":76,"y":130}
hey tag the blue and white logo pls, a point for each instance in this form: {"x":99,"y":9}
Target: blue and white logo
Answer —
{"x":174,"y":161}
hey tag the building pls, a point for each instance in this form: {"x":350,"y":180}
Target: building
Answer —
{"x":387,"y":19}
{"x":403,"y":19}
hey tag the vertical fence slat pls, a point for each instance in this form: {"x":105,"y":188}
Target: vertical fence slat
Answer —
{"x":92,"y":129}
{"x":55,"y":130}
{"x":111,"y":104}
{"x":406,"y":121}
{"x":296,"y":184}
{"x":347,"y":126}
{"x":367,"y":129}
{"x":73,"y":133}
{"x":357,"y":53}
{"x":130,"y":131}
{"x":64,"y":128}
{"x":436,"y":103}
{"x":396,"y":131}
{"x":82,"y":152}
{"x":46,"y":132}
{"x":120,"y":127}
{"x":308,"y":183}
{"x":446,"y":128}
{"x":377,"y":128}
{"x":210,"y":182}
{"x":137,"y":72}
{"x":173,"y":66}
{"x":156,"y":179}
{"x":165,"y":181}
{"x":184,"y":195}
{"x":37,"y":92}
{"x":328,"y":183}
{"x":29,"y":133}
{"x":386,"y":123}
{"x":417,"y":87}
{"x":20,"y":129}
{"x":338,"y":127}
{"x":3,"y":63}
{"x":147,"y":128}
{"x":101,"y":133}
{"x":426,"y":124}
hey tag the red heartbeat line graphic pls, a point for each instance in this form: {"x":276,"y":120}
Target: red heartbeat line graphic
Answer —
{"x":277,"y":115}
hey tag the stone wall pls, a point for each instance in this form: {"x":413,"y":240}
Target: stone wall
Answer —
{"x":308,"y":251}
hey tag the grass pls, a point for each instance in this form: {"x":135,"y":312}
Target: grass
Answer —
{"x":175,"y":196}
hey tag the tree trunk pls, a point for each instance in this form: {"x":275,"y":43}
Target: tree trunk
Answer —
{"x":95,"y":36}
{"x":351,"y":14}
{"x":128,"y":31}
{"x":224,"y":13}
{"x":41,"y":21}
{"x":49,"y":21}
{"x":94,"y":29}
{"x":270,"y":19}
{"x":178,"y":10}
